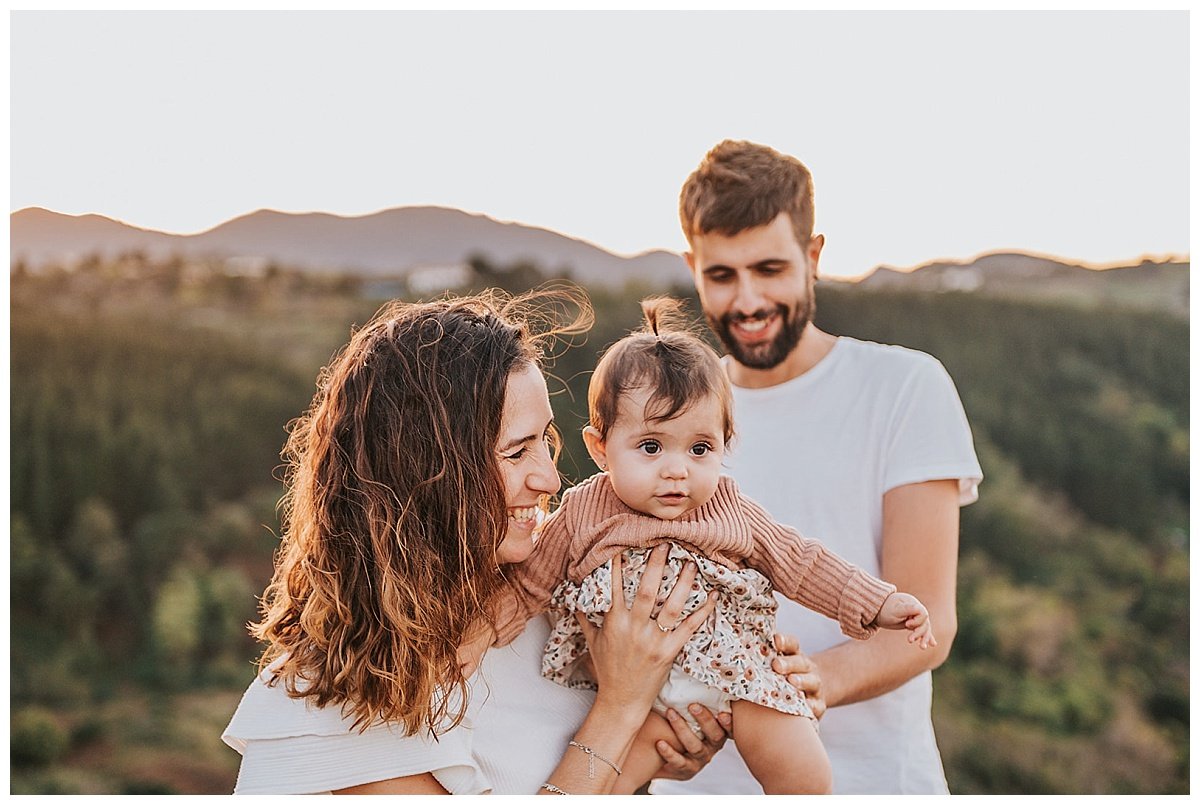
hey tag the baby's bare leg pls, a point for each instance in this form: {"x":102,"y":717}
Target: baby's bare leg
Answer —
{"x":782,"y":751}
{"x":643,"y":759}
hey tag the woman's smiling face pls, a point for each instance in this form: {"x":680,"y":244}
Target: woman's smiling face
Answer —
{"x":524,"y":455}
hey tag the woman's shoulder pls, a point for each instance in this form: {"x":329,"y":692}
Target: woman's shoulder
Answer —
{"x":288,"y":745}
{"x":266,"y":711}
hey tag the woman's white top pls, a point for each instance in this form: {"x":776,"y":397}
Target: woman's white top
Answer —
{"x":515,"y":732}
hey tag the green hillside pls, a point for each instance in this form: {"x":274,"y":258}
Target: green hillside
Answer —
{"x":149,"y":402}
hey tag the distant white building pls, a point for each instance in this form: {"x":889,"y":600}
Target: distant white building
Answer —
{"x":429,"y":279}
{"x":960,"y":278}
{"x":246,"y":266}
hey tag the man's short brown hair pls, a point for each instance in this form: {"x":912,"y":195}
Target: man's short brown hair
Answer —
{"x":740,"y":185}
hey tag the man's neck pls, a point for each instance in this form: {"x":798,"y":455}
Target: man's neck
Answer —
{"x":813,"y":346}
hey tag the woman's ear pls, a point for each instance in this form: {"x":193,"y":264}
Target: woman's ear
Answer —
{"x":595,"y":447}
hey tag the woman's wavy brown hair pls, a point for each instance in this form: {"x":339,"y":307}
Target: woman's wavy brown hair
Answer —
{"x":395,"y":506}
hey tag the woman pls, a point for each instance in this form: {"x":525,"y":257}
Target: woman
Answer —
{"x":417,"y":475}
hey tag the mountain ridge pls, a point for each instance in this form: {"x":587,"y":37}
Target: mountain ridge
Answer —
{"x":1146,"y":284}
{"x":399,"y":240}
{"x":387,"y":242}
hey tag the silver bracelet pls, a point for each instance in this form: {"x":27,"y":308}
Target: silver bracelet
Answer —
{"x":592,"y":757}
{"x":553,"y":789}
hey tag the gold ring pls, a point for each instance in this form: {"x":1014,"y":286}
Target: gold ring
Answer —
{"x":662,"y":628}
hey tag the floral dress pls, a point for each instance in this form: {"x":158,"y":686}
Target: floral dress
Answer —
{"x":731,"y":651}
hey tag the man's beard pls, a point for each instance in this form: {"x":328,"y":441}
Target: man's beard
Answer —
{"x":772,"y":353}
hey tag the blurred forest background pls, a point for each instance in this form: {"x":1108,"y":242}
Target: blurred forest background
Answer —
{"x":149,"y":400}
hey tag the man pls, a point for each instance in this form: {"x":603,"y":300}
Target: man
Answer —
{"x":863,"y":446}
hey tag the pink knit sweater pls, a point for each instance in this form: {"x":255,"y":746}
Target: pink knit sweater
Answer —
{"x":592,"y":525}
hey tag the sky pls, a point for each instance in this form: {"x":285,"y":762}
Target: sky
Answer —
{"x":930,"y":135}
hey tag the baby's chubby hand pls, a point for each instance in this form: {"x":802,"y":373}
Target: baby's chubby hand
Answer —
{"x":904,"y":611}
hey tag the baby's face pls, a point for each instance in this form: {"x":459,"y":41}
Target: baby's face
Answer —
{"x":665,"y":469}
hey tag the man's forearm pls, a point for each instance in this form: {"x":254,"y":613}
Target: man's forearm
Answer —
{"x":855,"y":671}
{"x":920,"y":556}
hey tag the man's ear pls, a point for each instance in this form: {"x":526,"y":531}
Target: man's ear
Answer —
{"x":595,"y":447}
{"x":691,"y":261}
{"x":813,"y":252}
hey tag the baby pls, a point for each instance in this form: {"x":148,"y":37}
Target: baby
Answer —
{"x":660,"y":412}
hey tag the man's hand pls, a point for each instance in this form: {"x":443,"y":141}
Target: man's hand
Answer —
{"x":801,"y":672}
{"x":697,"y":750}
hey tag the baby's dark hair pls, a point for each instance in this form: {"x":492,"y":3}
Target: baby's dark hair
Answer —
{"x":678,"y":367}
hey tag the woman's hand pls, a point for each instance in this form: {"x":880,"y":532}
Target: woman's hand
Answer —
{"x":634,"y":651}
{"x":631,"y":656}
{"x":801,"y":672}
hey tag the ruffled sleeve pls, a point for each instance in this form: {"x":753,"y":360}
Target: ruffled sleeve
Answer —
{"x":290,"y":747}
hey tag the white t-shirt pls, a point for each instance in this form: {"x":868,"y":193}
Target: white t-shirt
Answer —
{"x":819,"y":452}
{"x":516,"y":731}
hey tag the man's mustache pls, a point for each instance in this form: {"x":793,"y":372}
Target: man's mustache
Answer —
{"x":758,"y":315}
